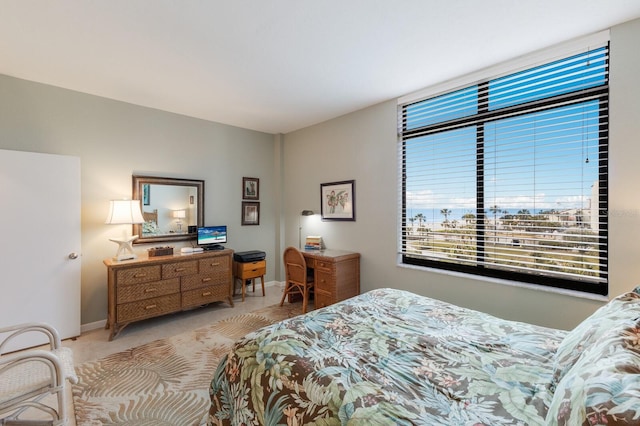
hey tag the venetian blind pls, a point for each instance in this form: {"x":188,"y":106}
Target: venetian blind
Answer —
{"x":508,"y":177}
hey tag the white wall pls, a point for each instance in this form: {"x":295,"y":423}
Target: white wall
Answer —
{"x":362,"y":146}
{"x":624,"y":158}
{"x":115,"y":140}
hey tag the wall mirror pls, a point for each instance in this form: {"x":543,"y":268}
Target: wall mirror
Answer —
{"x":172,"y":208}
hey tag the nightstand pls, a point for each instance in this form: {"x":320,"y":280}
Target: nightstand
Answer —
{"x":244,"y":271}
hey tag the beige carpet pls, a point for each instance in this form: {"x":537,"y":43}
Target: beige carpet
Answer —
{"x":165,"y":382}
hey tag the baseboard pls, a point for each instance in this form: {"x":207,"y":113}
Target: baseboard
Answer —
{"x":102,"y":323}
{"x":92,"y":326}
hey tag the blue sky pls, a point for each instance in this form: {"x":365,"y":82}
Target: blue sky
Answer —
{"x":536,"y":161}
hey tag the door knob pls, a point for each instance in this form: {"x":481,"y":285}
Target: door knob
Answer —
{"x":73,"y":255}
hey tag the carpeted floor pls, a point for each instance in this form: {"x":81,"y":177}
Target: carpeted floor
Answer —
{"x":165,"y":382}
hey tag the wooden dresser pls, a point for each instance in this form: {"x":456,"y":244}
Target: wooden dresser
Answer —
{"x":149,"y":287}
{"x":336,"y":275}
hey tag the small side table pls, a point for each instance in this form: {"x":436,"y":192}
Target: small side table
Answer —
{"x":244,"y":271}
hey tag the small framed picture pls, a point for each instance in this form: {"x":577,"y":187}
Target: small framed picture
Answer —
{"x":250,"y":213}
{"x":146,"y":196}
{"x":250,"y":188}
{"x":338,"y":200}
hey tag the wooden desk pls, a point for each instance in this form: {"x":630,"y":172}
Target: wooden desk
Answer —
{"x":336,"y":275}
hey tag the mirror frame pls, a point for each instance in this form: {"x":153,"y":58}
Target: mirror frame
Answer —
{"x":139,"y":181}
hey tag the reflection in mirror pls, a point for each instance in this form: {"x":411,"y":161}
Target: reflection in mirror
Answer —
{"x":171,"y":208}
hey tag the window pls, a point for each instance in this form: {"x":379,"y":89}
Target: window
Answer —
{"x":508,"y":177}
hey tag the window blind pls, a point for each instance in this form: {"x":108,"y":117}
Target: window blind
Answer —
{"x":508,"y":177}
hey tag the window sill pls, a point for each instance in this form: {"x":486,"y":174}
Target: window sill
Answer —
{"x":499,"y":281}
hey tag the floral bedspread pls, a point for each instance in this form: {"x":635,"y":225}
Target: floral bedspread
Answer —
{"x":388,"y":357}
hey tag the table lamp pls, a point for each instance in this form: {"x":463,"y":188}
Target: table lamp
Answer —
{"x":179,"y":214}
{"x":302,"y":213}
{"x":124,"y":212}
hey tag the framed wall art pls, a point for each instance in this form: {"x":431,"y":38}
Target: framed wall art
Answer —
{"x":146,"y":196}
{"x":338,"y":200}
{"x":250,"y":213}
{"x":250,"y":188}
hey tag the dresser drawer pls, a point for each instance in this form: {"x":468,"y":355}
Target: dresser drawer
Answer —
{"x":202,"y":280}
{"x":137,"y":275}
{"x":179,"y":269}
{"x":218,"y":264}
{"x":131,"y":293}
{"x":321,"y":264}
{"x":148,"y":308}
{"x":325,"y":281}
{"x":204,"y":295}
{"x":250,"y":266}
{"x":250,"y":269}
{"x":322,"y":298}
{"x":253,"y":273}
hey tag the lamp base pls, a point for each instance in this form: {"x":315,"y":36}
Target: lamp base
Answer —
{"x":125,"y":249}
{"x":124,"y":256}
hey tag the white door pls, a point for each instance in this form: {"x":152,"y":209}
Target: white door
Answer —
{"x":40,"y":249}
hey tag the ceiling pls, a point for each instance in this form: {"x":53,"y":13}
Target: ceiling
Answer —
{"x":278,"y":65}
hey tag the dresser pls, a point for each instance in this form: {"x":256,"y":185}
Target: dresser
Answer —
{"x":148,"y":287}
{"x":336,"y":275}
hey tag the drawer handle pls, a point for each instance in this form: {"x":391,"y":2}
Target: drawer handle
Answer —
{"x":253,"y":270}
{"x":206,"y":293}
{"x":179,"y":269}
{"x":150,"y":306}
{"x":322,"y":281}
{"x":206,"y":280}
{"x":141,"y":275}
{"x":150,"y":290}
{"x":215,"y":264}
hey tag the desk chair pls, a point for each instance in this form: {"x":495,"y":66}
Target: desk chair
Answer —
{"x":28,"y":377}
{"x":297,"y":279}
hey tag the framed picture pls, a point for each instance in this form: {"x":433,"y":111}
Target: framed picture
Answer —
{"x":250,"y":213}
{"x":145,"y":194}
{"x":338,"y":200}
{"x":250,"y":188}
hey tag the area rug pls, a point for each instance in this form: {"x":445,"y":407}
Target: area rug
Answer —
{"x":165,"y":382}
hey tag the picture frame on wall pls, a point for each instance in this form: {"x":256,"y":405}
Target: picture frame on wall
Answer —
{"x":338,"y":200}
{"x":146,"y":196}
{"x":250,"y":188}
{"x":250,"y":213}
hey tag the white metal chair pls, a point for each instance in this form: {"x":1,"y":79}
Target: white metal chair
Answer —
{"x":27,"y":377}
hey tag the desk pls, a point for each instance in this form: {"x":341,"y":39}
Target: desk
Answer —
{"x":336,"y":275}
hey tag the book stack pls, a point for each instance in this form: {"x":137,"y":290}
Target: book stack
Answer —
{"x":313,"y":243}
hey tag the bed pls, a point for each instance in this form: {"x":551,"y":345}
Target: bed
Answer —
{"x":392,"y":357}
{"x":150,"y":225}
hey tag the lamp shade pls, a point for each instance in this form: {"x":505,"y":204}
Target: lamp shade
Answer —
{"x":179,"y":214}
{"x":124,"y":212}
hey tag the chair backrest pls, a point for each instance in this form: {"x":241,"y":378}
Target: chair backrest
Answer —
{"x":150,"y":216}
{"x":295,"y":266}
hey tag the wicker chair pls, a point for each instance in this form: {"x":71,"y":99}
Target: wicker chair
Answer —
{"x":297,"y":279}
{"x":27,"y":377}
